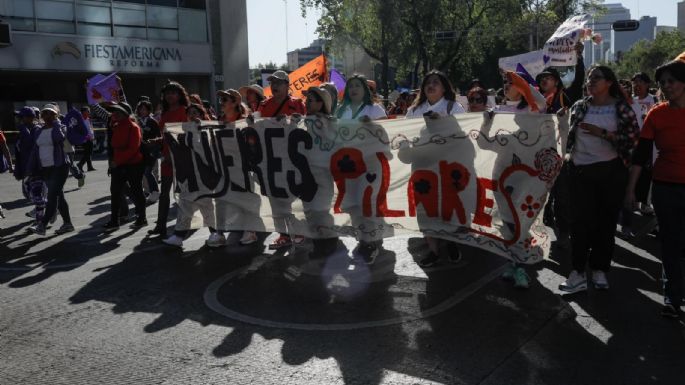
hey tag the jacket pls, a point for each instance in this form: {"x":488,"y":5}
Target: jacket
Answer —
{"x":58,"y":132}
{"x":126,"y":140}
{"x":22,"y":149}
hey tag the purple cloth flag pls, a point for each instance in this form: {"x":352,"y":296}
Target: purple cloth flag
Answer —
{"x":521,"y":70}
{"x":103,"y":89}
{"x":339,"y":81}
{"x":77,"y":129}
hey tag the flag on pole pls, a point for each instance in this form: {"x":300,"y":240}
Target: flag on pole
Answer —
{"x":311,"y":74}
{"x":339,"y":81}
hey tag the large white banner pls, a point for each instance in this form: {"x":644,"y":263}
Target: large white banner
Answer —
{"x":469,"y":178}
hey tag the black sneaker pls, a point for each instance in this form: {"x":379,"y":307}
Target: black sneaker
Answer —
{"x":161,"y":231}
{"x":670,"y":311}
{"x":368,"y":252}
{"x":140,"y":222}
{"x":111,"y":226}
{"x":454,"y":254}
{"x":431,"y":260}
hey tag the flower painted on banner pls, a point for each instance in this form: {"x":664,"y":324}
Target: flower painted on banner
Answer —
{"x":347,"y":165}
{"x":529,"y":242}
{"x":531,"y":206}
{"x":422,"y":186}
{"x":459,"y":180}
{"x":548,"y":164}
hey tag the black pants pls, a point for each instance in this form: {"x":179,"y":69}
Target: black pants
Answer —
{"x":557,"y":210}
{"x":597,"y":192}
{"x":164,"y":201}
{"x":133,"y":175}
{"x":87,"y":155}
{"x":55,"y":177}
{"x":669,"y":206}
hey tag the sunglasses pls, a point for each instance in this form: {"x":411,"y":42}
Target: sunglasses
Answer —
{"x":476,"y":101}
{"x":225,"y":99}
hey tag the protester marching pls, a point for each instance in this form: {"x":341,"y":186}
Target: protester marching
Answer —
{"x":315,"y":157}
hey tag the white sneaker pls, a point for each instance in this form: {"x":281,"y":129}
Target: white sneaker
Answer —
{"x":215,"y":240}
{"x":248,"y":238}
{"x":599,"y":280}
{"x":153,"y":197}
{"x":574,"y":283}
{"x":174,"y":240}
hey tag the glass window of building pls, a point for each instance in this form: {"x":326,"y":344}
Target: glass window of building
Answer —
{"x":162,"y":34}
{"x":88,"y":29}
{"x":167,"y":3}
{"x":128,"y":14}
{"x":163,"y":17}
{"x":195,"y":4}
{"x":130,"y":32}
{"x":192,"y":25}
{"x":18,"y":13}
{"x":88,"y":13}
{"x":55,"y":16}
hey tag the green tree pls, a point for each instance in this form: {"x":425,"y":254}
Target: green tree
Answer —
{"x":646,"y":56}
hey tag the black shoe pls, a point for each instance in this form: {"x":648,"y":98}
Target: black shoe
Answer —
{"x":140,"y":222}
{"x":670,"y":311}
{"x":454,"y":255}
{"x":431,"y":260}
{"x":368,"y":252}
{"x":157,"y":230}
{"x":111,"y":226}
{"x":91,"y":169}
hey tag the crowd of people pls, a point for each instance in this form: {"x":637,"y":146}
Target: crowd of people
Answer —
{"x":625,"y":151}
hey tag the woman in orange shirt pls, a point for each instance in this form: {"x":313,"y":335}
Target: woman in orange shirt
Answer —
{"x":664,"y":127}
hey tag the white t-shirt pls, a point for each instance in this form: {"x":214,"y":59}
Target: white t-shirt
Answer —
{"x":46,"y":150}
{"x":591,"y":149}
{"x":439,"y":107}
{"x":373,"y":111}
{"x":642,"y":107}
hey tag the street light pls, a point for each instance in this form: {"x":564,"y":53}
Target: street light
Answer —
{"x":625,"y":25}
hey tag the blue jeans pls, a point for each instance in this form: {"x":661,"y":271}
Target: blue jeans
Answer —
{"x":55,"y":177}
{"x":669,"y":205}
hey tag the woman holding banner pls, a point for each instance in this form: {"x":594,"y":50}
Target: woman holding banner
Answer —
{"x":358,"y":103}
{"x":253,"y":95}
{"x":175,"y":100}
{"x":663,"y":127}
{"x":603,"y":133}
{"x":437,"y":98}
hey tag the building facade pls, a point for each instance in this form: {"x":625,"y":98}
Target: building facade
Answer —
{"x":58,"y":44}
{"x":622,"y":41}
{"x":681,"y":16}
{"x":595,"y":53}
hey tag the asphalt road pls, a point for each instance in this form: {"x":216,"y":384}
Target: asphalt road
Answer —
{"x":89,"y":308}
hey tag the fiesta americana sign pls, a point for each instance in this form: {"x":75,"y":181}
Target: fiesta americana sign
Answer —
{"x":145,"y":56}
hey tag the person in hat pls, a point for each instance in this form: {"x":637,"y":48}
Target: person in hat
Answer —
{"x":127,"y":165}
{"x":151,"y":147}
{"x":521,"y":96}
{"x":333,"y":91}
{"x":663,"y":128}
{"x":33,"y":185}
{"x":175,"y":100}
{"x":319,"y":105}
{"x":253,"y":96}
{"x":49,"y":159}
{"x":232,"y":106}
{"x":552,"y":87}
{"x":281,"y":103}
{"x":87,"y":156}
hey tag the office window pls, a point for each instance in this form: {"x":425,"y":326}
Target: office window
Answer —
{"x":55,"y":10}
{"x":21,"y":24}
{"x":162,"y":34}
{"x":94,"y":29}
{"x":164,"y":17}
{"x":93,"y":14}
{"x":132,"y":32}
{"x":16,"y":8}
{"x":192,"y":25}
{"x":128,"y":14}
{"x":195,"y":4}
{"x":55,"y":26}
{"x":166,"y":3}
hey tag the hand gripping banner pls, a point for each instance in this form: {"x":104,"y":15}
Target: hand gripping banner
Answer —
{"x":476,"y":179}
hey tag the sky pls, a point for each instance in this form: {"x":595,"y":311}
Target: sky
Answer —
{"x":266,"y":21}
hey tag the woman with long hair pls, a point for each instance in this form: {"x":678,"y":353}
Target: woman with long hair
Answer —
{"x":253,"y":96}
{"x":358,"y":101}
{"x":175,"y":100}
{"x":603,"y":134}
{"x":478,"y":99}
{"x":664,"y":128}
{"x":436,"y":98}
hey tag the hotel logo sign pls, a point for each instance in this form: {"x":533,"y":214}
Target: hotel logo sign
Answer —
{"x":118,"y":56}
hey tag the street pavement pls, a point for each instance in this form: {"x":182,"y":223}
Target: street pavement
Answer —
{"x":123,"y":308}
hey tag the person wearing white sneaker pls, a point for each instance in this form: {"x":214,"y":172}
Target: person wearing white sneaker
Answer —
{"x":174,"y":240}
{"x":574,"y":283}
{"x":603,"y":131}
{"x":216,"y":239}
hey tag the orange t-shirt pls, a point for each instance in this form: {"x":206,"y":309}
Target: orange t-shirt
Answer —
{"x":666,"y":127}
{"x":176,"y":116}
{"x":269,"y":108}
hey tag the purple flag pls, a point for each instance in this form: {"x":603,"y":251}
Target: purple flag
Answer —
{"x":103,"y":89}
{"x":521,"y":70}
{"x":77,"y":129}
{"x":339,"y":81}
